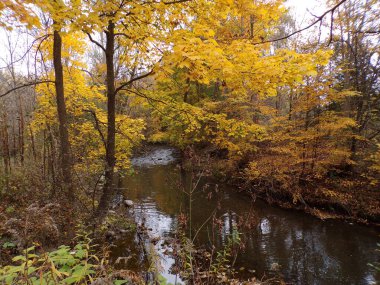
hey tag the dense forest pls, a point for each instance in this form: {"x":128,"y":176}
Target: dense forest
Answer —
{"x":282,"y":111}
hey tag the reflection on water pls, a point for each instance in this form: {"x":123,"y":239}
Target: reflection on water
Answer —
{"x":290,"y":244}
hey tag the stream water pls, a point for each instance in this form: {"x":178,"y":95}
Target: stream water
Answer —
{"x":297,"y":247}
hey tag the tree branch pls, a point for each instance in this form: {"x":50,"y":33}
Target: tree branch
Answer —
{"x":129,"y":82}
{"x":123,"y":34}
{"x":175,"y":2}
{"x":26,"y":85}
{"x":97,"y":126}
{"x":95,"y":42}
{"x":319,"y":19}
{"x":368,"y":32}
{"x":374,"y":134}
{"x":42,"y":38}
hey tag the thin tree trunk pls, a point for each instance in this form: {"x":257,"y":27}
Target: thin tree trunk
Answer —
{"x":111,"y":102}
{"x":251,"y":24}
{"x":306,"y":127}
{"x":186,"y":95}
{"x":66,"y":164}
{"x":44,"y":155}
{"x":14,"y":150}
{"x":6,"y":148}
{"x":21,"y":132}
{"x":51,"y":161}
{"x":216,"y":89}
{"x":290,"y":106}
{"x":33,"y":143}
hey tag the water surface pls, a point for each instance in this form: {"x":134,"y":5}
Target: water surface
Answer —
{"x":298,"y":247}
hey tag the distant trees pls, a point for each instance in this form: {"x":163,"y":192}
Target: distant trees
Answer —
{"x":357,"y":62}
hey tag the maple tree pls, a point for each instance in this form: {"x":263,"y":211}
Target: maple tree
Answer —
{"x":222,"y":76}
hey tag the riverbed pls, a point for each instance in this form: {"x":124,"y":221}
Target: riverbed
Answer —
{"x":285,"y":244}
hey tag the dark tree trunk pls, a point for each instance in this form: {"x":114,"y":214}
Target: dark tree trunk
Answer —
{"x":6,"y":148}
{"x":44,"y":168}
{"x":21,"y":132}
{"x":14,"y":150}
{"x":111,"y":100}
{"x":33,"y":144}
{"x":51,"y":161}
{"x":66,"y":164}
{"x":216,"y":89}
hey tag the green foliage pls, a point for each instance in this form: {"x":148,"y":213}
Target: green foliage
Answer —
{"x":62,"y":266}
{"x":120,"y":282}
{"x":10,"y":210}
{"x":162,"y":280}
{"x":223,"y":257}
{"x":8,"y":244}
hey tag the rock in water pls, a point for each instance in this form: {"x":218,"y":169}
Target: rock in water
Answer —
{"x":128,"y":203}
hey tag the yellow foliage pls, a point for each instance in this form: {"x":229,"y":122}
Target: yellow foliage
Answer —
{"x":86,"y":107}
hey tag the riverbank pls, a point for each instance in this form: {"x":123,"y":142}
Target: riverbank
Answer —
{"x":324,"y":199}
{"x":364,"y":208}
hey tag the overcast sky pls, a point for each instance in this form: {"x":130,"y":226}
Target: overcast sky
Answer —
{"x":300,"y":9}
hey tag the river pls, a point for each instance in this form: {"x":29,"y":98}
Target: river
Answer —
{"x":297,"y":247}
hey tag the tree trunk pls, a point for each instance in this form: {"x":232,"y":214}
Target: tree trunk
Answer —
{"x":187,"y":91}
{"x":21,"y":131}
{"x":33,"y":144}
{"x":51,"y":161}
{"x":66,"y":164}
{"x":111,"y":102}
{"x":6,"y":148}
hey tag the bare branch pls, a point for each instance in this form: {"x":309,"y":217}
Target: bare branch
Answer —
{"x":42,"y":38}
{"x":368,"y":32}
{"x":331,"y":27}
{"x":129,"y":82}
{"x":26,"y":85}
{"x":319,"y":19}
